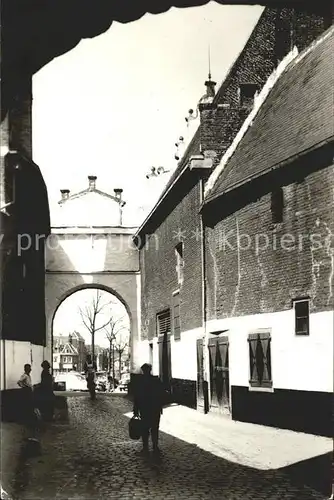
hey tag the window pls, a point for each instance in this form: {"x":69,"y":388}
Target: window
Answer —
{"x":260,"y":359}
{"x":302,"y":317}
{"x":176,"y":316}
{"x":179,"y":262}
{"x":277,"y":205}
{"x":247,"y":93}
{"x":163,"y":322}
{"x":151,"y":353}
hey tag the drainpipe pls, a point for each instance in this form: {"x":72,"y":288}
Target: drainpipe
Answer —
{"x":204,"y":315}
{"x":4,"y":363}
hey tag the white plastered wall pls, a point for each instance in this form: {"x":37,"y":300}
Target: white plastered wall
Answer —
{"x":302,"y":363}
{"x":14,"y":355}
{"x":183,"y":354}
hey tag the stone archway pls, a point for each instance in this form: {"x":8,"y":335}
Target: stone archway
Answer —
{"x":118,"y":273}
{"x":92,"y":286}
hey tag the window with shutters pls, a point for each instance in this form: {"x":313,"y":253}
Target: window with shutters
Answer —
{"x":176,"y":316}
{"x":163,"y":322}
{"x":260,"y":359}
{"x":302,"y":316}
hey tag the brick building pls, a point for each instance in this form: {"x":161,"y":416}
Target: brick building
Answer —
{"x":77,"y":351}
{"x":172,"y":250}
{"x":268,"y":215}
{"x":25,"y":225}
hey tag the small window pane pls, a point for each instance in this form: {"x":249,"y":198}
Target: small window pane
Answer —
{"x":302,"y":308}
{"x":302,"y":317}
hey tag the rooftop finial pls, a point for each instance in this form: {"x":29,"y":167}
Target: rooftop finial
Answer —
{"x":209,"y":55}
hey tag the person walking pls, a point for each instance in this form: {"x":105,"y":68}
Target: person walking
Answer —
{"x":46,"y":395}
{"x":90,"y":370}
{"x":148,"y":403}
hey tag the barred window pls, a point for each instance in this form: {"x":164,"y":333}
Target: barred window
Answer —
{"x":302,"y":317}
{"x":163,"y":322}
{"x":260,"y":359}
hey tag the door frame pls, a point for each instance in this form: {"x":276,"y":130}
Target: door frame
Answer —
{"x":216,"y":335}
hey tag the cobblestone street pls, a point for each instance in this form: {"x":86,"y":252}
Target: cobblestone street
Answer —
{"x":90,"y":456}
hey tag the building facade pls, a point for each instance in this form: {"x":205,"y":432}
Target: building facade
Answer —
{"x":178,"y":273}
{"x":269,"y":255}
{"x":25,"y":226}
{"x":90,"y":248}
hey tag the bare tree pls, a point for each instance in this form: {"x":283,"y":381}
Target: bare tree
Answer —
{"x":90,"y":315}
{"x":121,"y":345}
{"x":113,"y":331}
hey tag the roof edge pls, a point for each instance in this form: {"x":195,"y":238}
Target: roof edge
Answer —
{"x":281,"y":164}
{"x":260,"y":100}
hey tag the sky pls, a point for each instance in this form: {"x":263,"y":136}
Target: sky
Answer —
{"x":116,"y":104}
{"x":68,"y":317}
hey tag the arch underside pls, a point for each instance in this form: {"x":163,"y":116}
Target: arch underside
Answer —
{"x":59,"y":286}
{"x":33,"y":32}
{"x":100,"y":286}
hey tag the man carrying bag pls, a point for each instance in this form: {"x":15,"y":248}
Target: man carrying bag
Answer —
{"x":148,"y":402}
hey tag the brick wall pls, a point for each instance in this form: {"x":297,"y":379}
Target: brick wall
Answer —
{"x":272,"y":38}
{"x":219,"y":125}
{"x":158,"y":266}
{"x":245,"y":281}
{"x":220,"y":121}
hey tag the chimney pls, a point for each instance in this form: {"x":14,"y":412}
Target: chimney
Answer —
{"x":210,"y":88}
{"x":118,"y":195}
{"x":92,"y":182}
{"x":65,"y":194}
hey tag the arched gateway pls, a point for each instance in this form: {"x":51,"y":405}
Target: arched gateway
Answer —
{"x":89,"y":248}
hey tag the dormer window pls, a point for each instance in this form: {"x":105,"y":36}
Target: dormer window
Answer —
{"x":247,"y":94}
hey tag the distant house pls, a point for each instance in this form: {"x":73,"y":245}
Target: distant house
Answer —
{"x":65,"y":358}
{"x":69,"y":352}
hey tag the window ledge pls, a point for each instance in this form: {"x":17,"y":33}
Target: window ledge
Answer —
{"x":260,"y":389}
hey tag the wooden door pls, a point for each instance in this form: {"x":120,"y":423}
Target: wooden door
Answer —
{"x":219,"y":374}
{"x":165,"y":367}
{"x":224,"y":401}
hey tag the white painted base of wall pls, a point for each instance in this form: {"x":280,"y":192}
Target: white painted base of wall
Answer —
{"x":14,"y":355}
{"x":302,"y":363}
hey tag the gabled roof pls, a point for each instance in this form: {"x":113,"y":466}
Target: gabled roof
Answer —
{"x":68,"y":349}
{"x":296,"y":117}
{"x":88,"y":191}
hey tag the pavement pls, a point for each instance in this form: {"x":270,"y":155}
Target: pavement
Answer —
{"x":86,"y":454}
